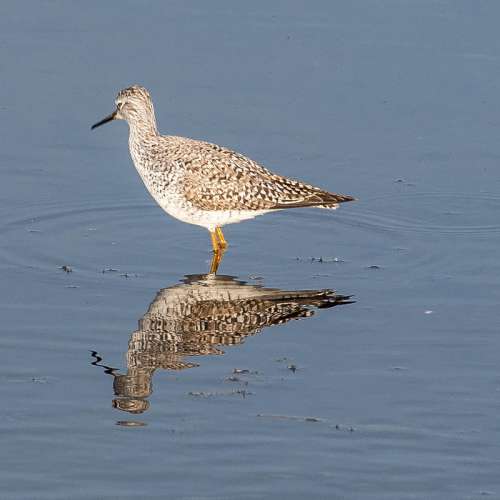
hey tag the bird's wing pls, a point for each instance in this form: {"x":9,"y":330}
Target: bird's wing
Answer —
{"x":220,"y":179}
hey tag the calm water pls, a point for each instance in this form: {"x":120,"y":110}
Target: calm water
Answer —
{"x":135,"y":376}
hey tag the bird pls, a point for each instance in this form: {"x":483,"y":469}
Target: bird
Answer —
{"x":202,"y":183}
{"x":200,"y":316}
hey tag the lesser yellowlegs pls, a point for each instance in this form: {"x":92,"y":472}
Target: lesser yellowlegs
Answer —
{"x":203,"y":183}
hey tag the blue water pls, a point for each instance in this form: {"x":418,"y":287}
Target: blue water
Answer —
{"x":393,"y":396}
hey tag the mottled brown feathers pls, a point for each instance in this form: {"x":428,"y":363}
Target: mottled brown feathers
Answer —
{"x":217,"y":178}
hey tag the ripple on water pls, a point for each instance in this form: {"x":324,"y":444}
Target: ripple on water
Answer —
{"x":46,"y":237}
{"x":411,"y":232}
{"x":440,"y":213}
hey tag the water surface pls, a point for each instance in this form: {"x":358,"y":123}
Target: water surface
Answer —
{"x":393,"y":396}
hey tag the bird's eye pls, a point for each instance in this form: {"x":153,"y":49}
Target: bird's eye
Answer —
{"x":119,"y":105}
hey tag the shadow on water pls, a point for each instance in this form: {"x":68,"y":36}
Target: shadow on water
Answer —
{"x":195,"y":318}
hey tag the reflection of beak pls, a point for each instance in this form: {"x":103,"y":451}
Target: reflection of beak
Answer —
{"x":108,"y":118}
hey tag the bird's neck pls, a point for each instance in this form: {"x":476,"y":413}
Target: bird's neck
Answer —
{"x":143,"y":137}
{"x":143,"y":129}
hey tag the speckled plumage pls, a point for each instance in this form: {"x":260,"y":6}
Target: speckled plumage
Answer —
{"x":202,"y":183}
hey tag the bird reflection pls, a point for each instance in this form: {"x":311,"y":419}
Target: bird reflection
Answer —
{"x":196,"y":318}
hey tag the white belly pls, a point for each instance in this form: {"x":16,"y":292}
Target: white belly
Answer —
{"x":169,"y":195}
{"x":209,"y":219}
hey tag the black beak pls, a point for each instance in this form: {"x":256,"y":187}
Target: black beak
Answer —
{"x":109,"y":118}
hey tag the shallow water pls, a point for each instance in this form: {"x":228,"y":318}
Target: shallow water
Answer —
{"x":394,"y":394}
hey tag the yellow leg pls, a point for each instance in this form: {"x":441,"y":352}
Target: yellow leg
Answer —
{"x":214,"y":265}
{"x":220,"y":236}
{"x":219,"y":245}
{"x":215,"y":242}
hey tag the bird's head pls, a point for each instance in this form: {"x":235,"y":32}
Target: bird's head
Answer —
{"x":134,"y":105}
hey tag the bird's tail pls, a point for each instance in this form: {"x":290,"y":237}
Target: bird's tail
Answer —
{"x":317,"y":199}
{"x":333,"y":200}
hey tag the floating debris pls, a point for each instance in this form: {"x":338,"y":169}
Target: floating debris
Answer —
{"x":405,"y":182}
{"x":290,"y":417}
{"x":307,"y":419}
{"x":241,"y":371}
{"x":374,"y":266}
{"x":429,"y":311}
{"x":39,"y":380}
{"x":320,"y":260}
{"x":326,"y":260}
{"x":243,"y":392}
{"x":131,"y":423}
{"x":236,"y":392}
{"x":66,"y":269}
{"x":109,"y":270}
{"x":292,"y":368}
{"x":129,"y":275}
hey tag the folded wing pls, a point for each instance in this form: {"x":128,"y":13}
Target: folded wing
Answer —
{"x":220,"y":179}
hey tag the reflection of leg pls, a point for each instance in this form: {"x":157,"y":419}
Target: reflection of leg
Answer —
{"x":220,"y":236}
